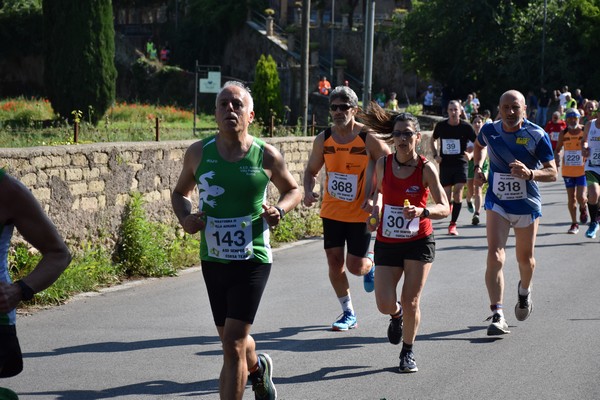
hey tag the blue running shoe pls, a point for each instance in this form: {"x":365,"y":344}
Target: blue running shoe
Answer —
{"x":592,"y":230}
{"x":369,"y":277}
{"x":407,"y":361}
{"x":347,"y":321}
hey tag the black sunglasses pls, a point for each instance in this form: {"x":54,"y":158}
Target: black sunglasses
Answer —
{"x":343,"y":107}
{"x":403,"y":134}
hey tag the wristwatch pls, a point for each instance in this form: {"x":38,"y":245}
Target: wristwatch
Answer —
{"x":425,"y":213}
{"x":281,"y":211}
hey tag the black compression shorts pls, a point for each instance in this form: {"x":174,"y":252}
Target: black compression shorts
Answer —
{"x":337,"y":233}
{"x":235,"y":289}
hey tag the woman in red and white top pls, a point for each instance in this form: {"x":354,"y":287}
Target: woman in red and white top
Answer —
{"x":401,"y":215}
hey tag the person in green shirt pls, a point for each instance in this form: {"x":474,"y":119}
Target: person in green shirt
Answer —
{"x":231,"y":171}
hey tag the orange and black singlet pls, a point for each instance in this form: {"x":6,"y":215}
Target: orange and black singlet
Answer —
{"x":346,"y":167}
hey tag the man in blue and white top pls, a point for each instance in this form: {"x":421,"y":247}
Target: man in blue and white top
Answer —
{"x":520,"y":155}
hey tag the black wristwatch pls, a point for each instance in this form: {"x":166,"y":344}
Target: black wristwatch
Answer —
{"x":26,"y":292}
{"x":281,"y":211}
{"x":425,"y":213}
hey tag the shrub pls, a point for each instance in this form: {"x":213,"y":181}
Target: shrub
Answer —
{"x":141,"y":249}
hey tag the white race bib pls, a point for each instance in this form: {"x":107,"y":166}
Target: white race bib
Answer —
{"x":395,"y":226}
{"x":554,"y":136}
{"x":573,"y":158}
{"x":594,"y":156}
{"x":451,"y":146}
{"x":229,"y":238}
{"x":507,"y":187}
{"x":342,"y":186}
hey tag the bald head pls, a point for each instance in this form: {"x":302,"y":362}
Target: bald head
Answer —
{"x":512,"y":110}
{"x":513,"y":95}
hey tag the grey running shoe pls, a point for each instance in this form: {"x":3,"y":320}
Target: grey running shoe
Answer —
{"x":524,"y":306}
{"x":475,"y":220}
{"x":407,"y":362}
{"x":498,"y":326}
{"x":394,"y":331}
{"x":262,"y":383}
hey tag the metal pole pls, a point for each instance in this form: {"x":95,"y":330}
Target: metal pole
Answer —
{"x":157,"y":131}
{"x":368,"y":67}
{"x":304,"y":61}
{"x":543,"y":44}
{"x":195,"y":95}
{"x":332,"y":33}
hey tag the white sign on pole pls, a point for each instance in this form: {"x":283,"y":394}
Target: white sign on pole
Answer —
{"x":212,"y":84}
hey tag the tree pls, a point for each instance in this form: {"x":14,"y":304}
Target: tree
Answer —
{"x":208,"y":26}
{"x":494,"y":45}
{"x":265,"y":90}
{"x":79,"y":53}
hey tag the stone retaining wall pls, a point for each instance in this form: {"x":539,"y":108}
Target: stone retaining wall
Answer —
{"x":85,"y":188}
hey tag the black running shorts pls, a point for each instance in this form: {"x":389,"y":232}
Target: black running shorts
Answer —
{"x":394,"y":254}
{"x":235,"y":289}
{"x":11,"y":359}
{"x":356,"y":234}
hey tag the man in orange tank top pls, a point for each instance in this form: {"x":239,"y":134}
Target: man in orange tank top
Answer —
{"x":349,"y":152}
{"x":573,"y":168}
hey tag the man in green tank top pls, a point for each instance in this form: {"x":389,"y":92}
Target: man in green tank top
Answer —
{"x":231,"y":171}
{"x":19,"y":209}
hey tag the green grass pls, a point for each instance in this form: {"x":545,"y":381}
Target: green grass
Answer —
{"x":32,"y":122}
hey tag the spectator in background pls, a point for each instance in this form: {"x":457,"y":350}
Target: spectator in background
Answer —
{"x":476,"y":101}
{"x":532,"y":105}
{"x":569,"y":102}
{"x":428,"y":98}
{"x":392,"y":103}
{"x":165,"y":53}
{"x":554,"y":127}
{"x":324,"y":86}
{"x":380,"y":98}
{"x":470,"y":107}
{"x":487,"y":116}
{"x":589,"y":111}
{"x":578,"y":98}
{"x":543,"y":104}
{"x":562,"y":96}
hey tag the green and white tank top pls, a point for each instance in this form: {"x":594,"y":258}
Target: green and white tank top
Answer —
{"x":231,"y":196}
{"x":5,"y":236}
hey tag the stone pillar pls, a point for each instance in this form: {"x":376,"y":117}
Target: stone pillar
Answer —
{"x":269,"y":25}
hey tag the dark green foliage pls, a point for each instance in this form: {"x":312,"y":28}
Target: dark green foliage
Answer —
{"x":79,"y":57}
{"x":154,"y":83}
{"x":495,"y":45}
{"x":265,"y":90}
{"x":20,"y":30}
{"x":207,"y":28}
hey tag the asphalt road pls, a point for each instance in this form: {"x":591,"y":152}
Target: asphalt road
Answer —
{"x":156,"y":339}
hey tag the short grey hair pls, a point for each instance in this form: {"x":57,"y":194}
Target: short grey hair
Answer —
{"x":345,"y":94}
{"x":241,"y":86}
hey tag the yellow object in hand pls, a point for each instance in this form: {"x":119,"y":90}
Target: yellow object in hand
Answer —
{"x":406,"y":203}
{"x":373,"y":221}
